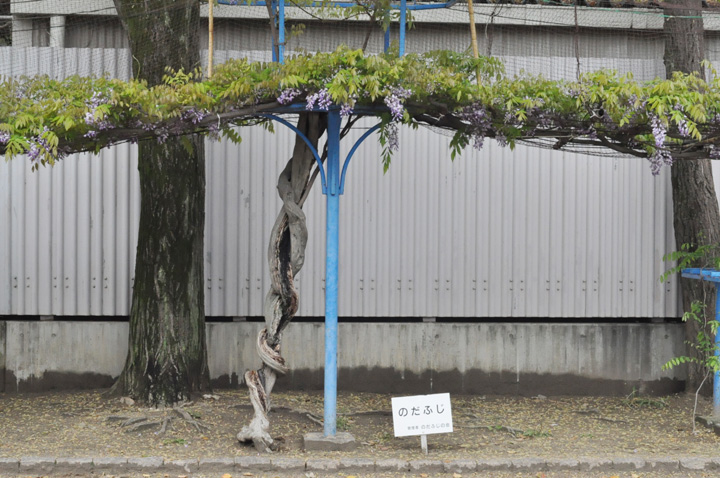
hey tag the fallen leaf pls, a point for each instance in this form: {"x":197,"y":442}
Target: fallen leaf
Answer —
{"x":457,"y":475}
{"x":227,"y":475}
{"x":423,"y":475}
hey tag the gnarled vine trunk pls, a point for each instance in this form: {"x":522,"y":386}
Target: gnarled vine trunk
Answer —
{"x":167,"y":357}
{"x":695,"y":206}
{"x":286,"y":255}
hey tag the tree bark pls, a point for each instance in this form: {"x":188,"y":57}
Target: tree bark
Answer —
{"x":167,"y":357}
{"x":695,"y":205}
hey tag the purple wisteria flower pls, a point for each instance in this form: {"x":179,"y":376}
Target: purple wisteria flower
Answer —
{"x":40,"y":147}
{"x":162,"y":135}
{"x":34,"y":152}
{"x":97,"y":122}
{"x":658,"y":130}
{"x":659,"y":158}
{"x":682,"y":123}
{"x":195,"y":116}
{"x":214,"y":132}
{"x":4,"y":137}
{"x":346,"y":109}
{"x":288,"y":95}
{"x":322,"y":98}
{"x":394,"y":101}
{"x":714,"y":152}
{"x":479,"y":121}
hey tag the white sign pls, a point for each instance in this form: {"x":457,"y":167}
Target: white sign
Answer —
{"x":422,"y":415}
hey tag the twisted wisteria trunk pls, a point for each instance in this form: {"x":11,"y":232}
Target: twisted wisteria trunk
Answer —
{"x":286,"y":255}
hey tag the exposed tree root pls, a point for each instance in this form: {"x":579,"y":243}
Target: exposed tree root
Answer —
{"x":159,"y":419}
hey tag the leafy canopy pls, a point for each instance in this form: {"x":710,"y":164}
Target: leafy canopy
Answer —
{"x":677,"y":118}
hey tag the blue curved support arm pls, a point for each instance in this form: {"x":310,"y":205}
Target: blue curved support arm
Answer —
{"x":352,"y":151}
{"x":309,"y":145}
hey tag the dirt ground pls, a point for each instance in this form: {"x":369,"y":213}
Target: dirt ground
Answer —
{"x":88,"y":424}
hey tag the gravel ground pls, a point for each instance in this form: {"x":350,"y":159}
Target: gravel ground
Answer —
{"x":88,"y":424}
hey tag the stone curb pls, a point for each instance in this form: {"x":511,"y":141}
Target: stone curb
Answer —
{"x":49,"y":466}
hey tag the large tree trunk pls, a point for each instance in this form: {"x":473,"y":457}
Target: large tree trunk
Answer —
{"x":167,"y":357}
{"x":695,"y":206}
{"x":286,"y":255}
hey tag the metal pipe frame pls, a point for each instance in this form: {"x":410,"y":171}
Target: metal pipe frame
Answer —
{"x":279,"y":7}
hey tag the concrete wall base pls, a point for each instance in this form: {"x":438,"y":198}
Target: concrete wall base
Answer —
{"x":403,"y":358}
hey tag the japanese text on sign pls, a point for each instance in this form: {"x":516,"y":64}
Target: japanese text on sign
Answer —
{"x":422,"y":414}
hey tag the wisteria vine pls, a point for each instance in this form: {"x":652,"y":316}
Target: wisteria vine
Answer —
{"x":661,"y":120}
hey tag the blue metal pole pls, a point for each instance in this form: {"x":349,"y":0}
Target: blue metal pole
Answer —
{"x":273,"y":6}
{"x":387,"y":39}
{"x":331,"y":271}
{"x":281,"y":32}
{"x":716,"y":379}
{"x":403,"y":14}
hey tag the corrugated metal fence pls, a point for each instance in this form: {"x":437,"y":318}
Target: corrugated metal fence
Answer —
{"x":497,"y":233}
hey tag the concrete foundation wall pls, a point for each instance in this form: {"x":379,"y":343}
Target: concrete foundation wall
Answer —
{"x":483,"y":358}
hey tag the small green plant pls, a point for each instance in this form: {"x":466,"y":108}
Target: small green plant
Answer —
{"x":636,"y":401}
{"x":385,"y":436}
{"x":343,"y":423}
{"x":532,"y":433}
{"x":175,"y":441}
{"x":704,"y":344}
{"x":691,"y":255}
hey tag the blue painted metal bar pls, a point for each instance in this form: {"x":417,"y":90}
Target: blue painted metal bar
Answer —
{"x":710,"y":275}
{"x":281,"y":31}
{"x":713,"y":276}
{"x":323,"y":179}
{"x":352,"y":152}
{"x":716,"y":378}
{"x":273,"y":9}
{"x":331,"y":272}
{"x":403,"y":20}
{"x":386,"y":45}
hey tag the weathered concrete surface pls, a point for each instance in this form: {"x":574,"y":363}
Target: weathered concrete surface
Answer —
{"x":501,"y":358}
{"x":3,"y":333}
{"x":49,"y":355}
{"x":342,"y":441}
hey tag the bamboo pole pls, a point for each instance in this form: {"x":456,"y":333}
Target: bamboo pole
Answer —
{"x":211,"y":38}
{"x":473,"y":33}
